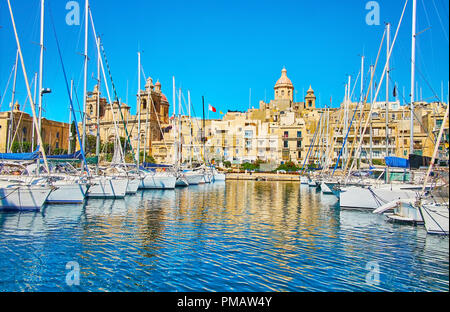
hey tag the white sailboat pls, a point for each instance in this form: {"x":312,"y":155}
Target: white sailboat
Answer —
{"x":14,"y":196}
{"x":19,"y":196}
{"x":435,"y":217}
{"x":158,"y":180}
{"x":108,"y":187}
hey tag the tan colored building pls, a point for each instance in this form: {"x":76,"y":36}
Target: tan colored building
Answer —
{"x":283,"y":130}
{"x":154,"y":114}
{"x":55,"y":135}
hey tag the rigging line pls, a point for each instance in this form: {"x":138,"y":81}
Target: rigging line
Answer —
{"x":440,"y":21}
{"x":194,"y":139}
{"x":421,"y":124}
{"x":420,"y":72}
{"x":431,"y":37}
{"x":20,"y":119}
{"x":68,"y":91}
{"x":81,"y":28}
{"x":311,"y":146}
{"x":109,"y":71}
{"x":159,"y":123}
{"x":358,"y":150}
{"x":423,"y":75}
{"x":78,"y":102}
{"x":445,"y":8}
{"x":99,"y":46}
{"x":346,"y":137}
{"x":7,"y":85}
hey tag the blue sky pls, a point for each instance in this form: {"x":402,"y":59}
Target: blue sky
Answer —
{"x":221,"y":49}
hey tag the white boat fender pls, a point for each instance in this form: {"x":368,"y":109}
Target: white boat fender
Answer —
{"x":392,"y":205}
{"x":387,"y":206}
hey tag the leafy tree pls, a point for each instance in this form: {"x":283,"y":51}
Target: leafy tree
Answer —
{"x":21,"y":147}
{"x":73,"y":130}
{"x":289,"y":167}
{"x":249,"y":166}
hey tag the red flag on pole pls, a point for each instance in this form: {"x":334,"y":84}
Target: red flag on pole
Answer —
{"x":212,"y":109}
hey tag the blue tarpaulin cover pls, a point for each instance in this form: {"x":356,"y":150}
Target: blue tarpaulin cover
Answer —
{"x":20,"y":156}
{"x":149,"y":165}
{"x":397,"y":162}
{"x":76,"y":155}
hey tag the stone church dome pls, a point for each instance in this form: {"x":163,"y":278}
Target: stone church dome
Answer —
{"x":284,"y":81}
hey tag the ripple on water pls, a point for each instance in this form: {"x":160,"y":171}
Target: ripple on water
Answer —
{"x":233,"y":236}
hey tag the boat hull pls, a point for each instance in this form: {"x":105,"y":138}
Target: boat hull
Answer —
{"x":325,"y":189}
{"x":304,"y":180}
{"x":219,"y":177}
{"x":355,"y":197}
{"x":158,"y":182}
{"x":194,"y":179}
{"x":435,"y":218}
{"x":24,"y":197}
{"x":133,"y":185}
{"x":68,"y":194}
{"x":108,"y":188}
{"x":182,"y":182}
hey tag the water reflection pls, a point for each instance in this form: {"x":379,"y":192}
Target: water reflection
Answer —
{"x":229,"y":236}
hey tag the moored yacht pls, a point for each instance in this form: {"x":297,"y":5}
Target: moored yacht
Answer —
{"x":16,"y":196}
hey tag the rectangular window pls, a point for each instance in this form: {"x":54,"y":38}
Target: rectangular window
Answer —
{"x":299,"y":134}
{"x":299,"y":144}
{"x":286,"y":144}
{"x":286,"y":134}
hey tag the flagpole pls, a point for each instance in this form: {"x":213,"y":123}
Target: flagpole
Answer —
{"x":204,"y":130}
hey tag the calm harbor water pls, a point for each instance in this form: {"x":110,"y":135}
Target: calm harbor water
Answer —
{"x":230,"y":236}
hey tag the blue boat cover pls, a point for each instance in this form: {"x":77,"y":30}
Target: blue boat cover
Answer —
{"x":78,"y":155}
{"x":397,"y":162}
{"x":20,"y":156}
{"x":149,"y":165}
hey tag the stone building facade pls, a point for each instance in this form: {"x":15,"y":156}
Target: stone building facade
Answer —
{"x":55,"y":135}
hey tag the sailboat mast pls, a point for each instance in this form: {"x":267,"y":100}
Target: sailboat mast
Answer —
{"x":138,"y":150}
{"x":97,"y":146}
{"x":11,"y":116}
{"x":146,"y":124}
{"x":361,"y":98}
{"x":190,"y":129}
{"x":180,"y":132}
{"x":34,"y":100}
{"x":370,"y":118}
{"x":86,"y":24}
{"x":33,"y":110}
{"x":175,"y":161}
{"x":388,"y":34}
{"x":204,"y":130}
{"x":41,"y":65}
{"x":413,"y":69}
{"x":70,"y":117}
